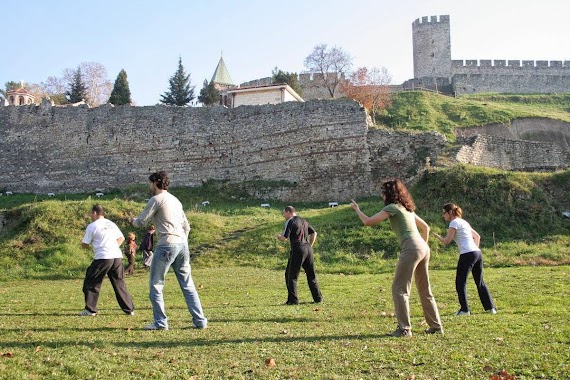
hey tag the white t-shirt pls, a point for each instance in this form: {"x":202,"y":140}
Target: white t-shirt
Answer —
{"x":463,"y":236}
{"x":102,"y":234}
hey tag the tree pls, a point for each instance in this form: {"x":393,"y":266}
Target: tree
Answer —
{"x":369,"y":88}
{"x":209,"y":94}
{"x":181,"y":92}
{"x":55,"y":89}
{"x":121,"y":93}
{"x":279,"y":76}
{"x":77,"y":88}
{"x":97,"y":86}
{"x":9,"y":86}
{"x":331,"y":65}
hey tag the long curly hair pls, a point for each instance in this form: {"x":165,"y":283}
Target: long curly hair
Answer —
{"x":395,"y":191}
{"x":160,"y":179}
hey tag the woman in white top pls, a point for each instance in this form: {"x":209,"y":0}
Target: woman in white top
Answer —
{"x":470,"y":258}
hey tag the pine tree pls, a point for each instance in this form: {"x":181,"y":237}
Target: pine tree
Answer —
{"x":279,"y":76}
{"x":181,"y":92}
{"x":77,"y":89}
{"x":209,"y":94}
{"x":121,"y":93}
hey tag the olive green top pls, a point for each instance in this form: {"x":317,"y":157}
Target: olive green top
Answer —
{"x":402,"y":221}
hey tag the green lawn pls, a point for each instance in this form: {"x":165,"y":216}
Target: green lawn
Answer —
{"x":42,"y":338}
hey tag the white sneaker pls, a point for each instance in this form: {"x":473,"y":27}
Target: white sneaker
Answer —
{"x":154,"y":326}
{"x":87,"y":313}
{"x":462,"y":313}
{"x":492,"y":311}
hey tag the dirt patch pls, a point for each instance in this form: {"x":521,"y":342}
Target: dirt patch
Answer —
{"x":529,"y":128}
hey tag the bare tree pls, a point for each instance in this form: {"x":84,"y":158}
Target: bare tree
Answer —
{"x":331,"y":65}
{"x":94,"y":76}
{"x":370,"y":88}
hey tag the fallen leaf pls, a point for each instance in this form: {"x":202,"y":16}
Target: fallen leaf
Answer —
{"x":270,"y":362}
{"x":316,"y":309}
{"x":8,"y":354}
{"x":38,"y":349}
{"x":488,"y":368}
{"x":285,"y":332}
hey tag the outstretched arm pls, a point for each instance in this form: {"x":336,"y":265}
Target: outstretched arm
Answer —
{"x":448,"y":238}
{"x":366,"y":220}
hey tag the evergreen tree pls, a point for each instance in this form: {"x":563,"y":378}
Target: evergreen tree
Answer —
{"x":181,"y":92}
{"x":209,"y":94}
{"x":121,"y":93}
{"x":77,"y":89}
{"x":291,"y":79}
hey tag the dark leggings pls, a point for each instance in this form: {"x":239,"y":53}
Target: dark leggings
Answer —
{"x":472,"y":262}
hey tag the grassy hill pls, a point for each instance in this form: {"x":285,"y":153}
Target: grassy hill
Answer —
{"x":519,"y":216}
{"x":425,"y":111}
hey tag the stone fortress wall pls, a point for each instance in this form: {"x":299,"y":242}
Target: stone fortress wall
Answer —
{"x":317,"y":150}
{"x":320,"y":150}
{"x":434,"y":68}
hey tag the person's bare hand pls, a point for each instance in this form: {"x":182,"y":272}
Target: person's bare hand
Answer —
{"x":354,"y":205}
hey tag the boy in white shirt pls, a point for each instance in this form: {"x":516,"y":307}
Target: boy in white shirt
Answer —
{"x":106,"y":238}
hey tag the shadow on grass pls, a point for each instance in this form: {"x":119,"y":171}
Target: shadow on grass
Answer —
{"x":191,"y":342}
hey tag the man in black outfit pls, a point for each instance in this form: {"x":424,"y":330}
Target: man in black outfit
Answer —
{"x":302,"y":237}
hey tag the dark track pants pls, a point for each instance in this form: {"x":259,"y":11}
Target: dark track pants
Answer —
{"x":472,"y":262}
{"x":301,"y":257}
{"x":96,"y":272}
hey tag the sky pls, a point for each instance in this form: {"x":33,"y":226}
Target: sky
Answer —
{"x":145,"y":38}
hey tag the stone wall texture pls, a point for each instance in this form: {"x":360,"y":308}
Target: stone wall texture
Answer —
{"x":317,"y":150}
{"x":501,"y":153}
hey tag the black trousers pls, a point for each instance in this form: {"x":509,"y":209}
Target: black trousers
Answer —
{"x":472,"y":262}
{"x":301,"y":256}
{"x":96,"y":272}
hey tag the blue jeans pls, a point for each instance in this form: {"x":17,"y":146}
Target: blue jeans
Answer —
{"x":177,"y":256}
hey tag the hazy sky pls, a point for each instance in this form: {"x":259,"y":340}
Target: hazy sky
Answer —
{"x":42,"y":38}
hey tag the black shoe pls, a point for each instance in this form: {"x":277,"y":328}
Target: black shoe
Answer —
{"x":291,"y":303}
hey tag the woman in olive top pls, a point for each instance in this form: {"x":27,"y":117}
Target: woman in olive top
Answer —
{"x":414,"y":256}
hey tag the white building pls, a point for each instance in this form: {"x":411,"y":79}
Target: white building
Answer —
{"x":256,"y":95}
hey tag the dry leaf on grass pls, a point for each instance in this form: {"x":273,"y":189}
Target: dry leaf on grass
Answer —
{"x":270,"y":362}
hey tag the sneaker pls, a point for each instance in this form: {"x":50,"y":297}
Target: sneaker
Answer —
{"x":492,"y":311}
{"x":291,"y":303}
{"x":154,"y":326}
{"x":131,"y":313}
{"x":87,"y":313}
{"x":401,"y":333}
{"x":462,"y":313}
{"x":434,"y":330}
{"x":199,"y":327}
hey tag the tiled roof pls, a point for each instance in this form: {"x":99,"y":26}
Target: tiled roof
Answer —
{"x":19,"y":91}
{"x":222,"y":75}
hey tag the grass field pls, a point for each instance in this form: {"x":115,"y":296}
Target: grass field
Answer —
{"x":342,"y":338}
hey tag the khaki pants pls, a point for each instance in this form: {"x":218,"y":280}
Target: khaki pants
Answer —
{"x":414,"y":261}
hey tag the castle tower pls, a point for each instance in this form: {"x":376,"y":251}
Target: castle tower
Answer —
{"x":432,"y":47}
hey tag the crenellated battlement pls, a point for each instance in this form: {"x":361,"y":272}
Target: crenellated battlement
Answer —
{"x":511,"y":63}
{"x":430,"y":20}
{"x":432,"y":60}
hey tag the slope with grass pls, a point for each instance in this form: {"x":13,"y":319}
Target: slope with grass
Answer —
{"x":519,"y":216}
{"x":424,"y":111}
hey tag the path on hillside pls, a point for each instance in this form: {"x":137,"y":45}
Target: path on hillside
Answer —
{"x":203,"y":248}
